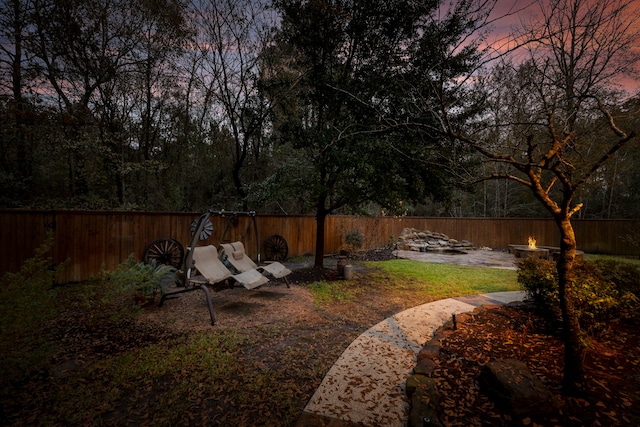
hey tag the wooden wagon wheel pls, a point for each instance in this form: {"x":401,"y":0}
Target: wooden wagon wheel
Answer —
{"x":165,"y":251}
{"x":276,"y":248}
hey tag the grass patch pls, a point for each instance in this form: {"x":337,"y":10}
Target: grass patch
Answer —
{"x":439,"y":281}
{"x":135,"y":382}
{"x":402,"y":278}
{"x":327,"y":292}
{"x":205,"y":355}
{"x":621,"y":259}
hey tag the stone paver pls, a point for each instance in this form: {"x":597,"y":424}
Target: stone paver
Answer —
{"x":474,"y":257}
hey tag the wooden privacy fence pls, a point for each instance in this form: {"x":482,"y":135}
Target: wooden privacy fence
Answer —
{"x":95,"y":240}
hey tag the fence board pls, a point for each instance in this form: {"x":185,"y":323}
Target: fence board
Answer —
{"x":91,"y":239}
{"x":13,"y":243}
{"x":64,"y":245}
{"x":112,"y":256}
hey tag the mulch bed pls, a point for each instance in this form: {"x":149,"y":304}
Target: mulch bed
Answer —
{"x":612,"y":365}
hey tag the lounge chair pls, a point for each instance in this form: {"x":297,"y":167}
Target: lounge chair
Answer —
{"x":238,"y":258}
{"x":214,"y":271}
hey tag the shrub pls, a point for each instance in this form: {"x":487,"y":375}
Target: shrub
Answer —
{"x":539,"y":279}
{"x":599,"y":299}
{"x":625,"y":275}
{"x":138,"y":277}
{"x":354,"y":239}
{"x":27,"y":305}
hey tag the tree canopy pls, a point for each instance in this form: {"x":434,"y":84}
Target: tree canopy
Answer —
{"x":344,"y":60}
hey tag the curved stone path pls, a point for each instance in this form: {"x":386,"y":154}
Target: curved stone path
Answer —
{"x":365,"y":386}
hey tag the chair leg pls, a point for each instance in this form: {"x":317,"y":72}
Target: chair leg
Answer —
{"x":209,"y":303}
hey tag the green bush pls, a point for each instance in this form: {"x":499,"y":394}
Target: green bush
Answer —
{"x":27,"y":305}
{"x":602,"y":291}
{"x":625,"y":274}
{"x":354,"y":239}
{"x":539,"y":279}
{"x":139,"y":277}
{"x":599,"y":301}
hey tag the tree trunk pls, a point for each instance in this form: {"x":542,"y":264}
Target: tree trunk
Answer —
{"x":237,"y":182}
{"x":573,"y":380}
{"x":120,"y":188}
{"x":321,"y":215}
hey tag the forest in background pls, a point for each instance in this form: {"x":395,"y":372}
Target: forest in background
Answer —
{"x":170,"y":105}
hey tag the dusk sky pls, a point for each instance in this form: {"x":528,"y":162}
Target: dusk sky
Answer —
{"x":509,"y":14}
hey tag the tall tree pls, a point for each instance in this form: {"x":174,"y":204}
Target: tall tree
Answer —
{"x":343,"y":57}
{"x":163,"y":35}
{"x":89,"y":51}
{"x":79,"y":46}
{"x":15,"y":162}
{"x":564,"y":92}
{"x":231,"y":36}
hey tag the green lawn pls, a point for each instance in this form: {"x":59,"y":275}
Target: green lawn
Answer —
{"x":415,"y":280}
{"x":626,"y":260}
{"x":445,"y":280}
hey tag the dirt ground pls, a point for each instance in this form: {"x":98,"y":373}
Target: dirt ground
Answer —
{"x":297,"y":341}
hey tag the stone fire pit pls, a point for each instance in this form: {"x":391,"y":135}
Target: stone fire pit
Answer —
{"x":544,"y":252}
{"x":524,"y":251}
